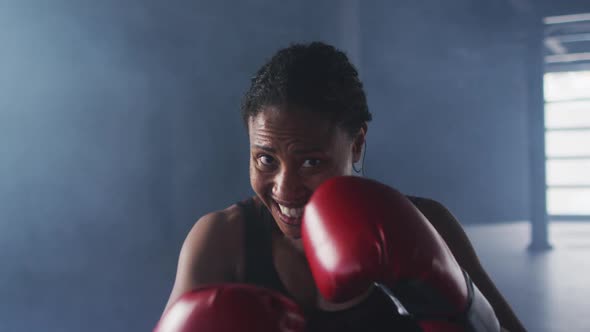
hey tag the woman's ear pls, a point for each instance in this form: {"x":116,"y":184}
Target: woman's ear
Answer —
{"x":359,"y":142}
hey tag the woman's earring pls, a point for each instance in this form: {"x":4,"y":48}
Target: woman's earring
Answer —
{"x":357,"y":170}
{"x":361,"y":170}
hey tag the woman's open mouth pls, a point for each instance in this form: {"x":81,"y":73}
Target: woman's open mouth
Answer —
{"x":289,"y":215}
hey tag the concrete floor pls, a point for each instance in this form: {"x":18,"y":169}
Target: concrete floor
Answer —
{"x":550,"y":291}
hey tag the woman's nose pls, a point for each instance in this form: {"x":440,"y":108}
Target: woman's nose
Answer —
{"x":289,"y":186}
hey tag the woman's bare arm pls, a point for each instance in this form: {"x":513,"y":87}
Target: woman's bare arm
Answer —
{"x":454,"y":235}
{"x":208,"y":255}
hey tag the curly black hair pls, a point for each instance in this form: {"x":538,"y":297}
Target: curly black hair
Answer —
{"x":315,"y":77}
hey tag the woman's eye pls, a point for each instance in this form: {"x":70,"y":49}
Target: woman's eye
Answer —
{"x":311,"y":163}
{"x":266,"y":160}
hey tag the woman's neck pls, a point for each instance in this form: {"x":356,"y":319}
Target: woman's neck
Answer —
{"x":293,"y":244}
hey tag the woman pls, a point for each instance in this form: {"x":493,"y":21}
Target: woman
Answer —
{"x":306,"y":115}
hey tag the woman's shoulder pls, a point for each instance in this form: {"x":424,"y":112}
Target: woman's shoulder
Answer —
{"x":225,"y":222}
{"x":441,"y":218}
{"x":214,"y":244}
{"x":425,"y":202}
{"x":434,"y":210}
{"x":211,"y":251}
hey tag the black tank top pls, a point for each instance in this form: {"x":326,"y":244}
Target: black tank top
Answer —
{"x":376,"y":313}
{"x":259,"y":267}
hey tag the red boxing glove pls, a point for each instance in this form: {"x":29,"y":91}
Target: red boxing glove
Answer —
{"x":232,"y":308}
{"x":357,"y":232}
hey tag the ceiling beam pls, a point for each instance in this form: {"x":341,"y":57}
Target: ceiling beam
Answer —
{"x":567,"y":19}
{"x":555,"y":45}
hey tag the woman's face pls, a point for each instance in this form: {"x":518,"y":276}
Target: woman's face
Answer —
{"x":291,"y":154}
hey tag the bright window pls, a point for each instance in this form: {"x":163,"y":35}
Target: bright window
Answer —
{"x":567,"y":142}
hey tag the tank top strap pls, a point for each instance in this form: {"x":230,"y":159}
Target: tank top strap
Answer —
{"x":259,"y":266}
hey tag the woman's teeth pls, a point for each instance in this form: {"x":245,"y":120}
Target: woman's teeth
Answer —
{"x":291,"y":212}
